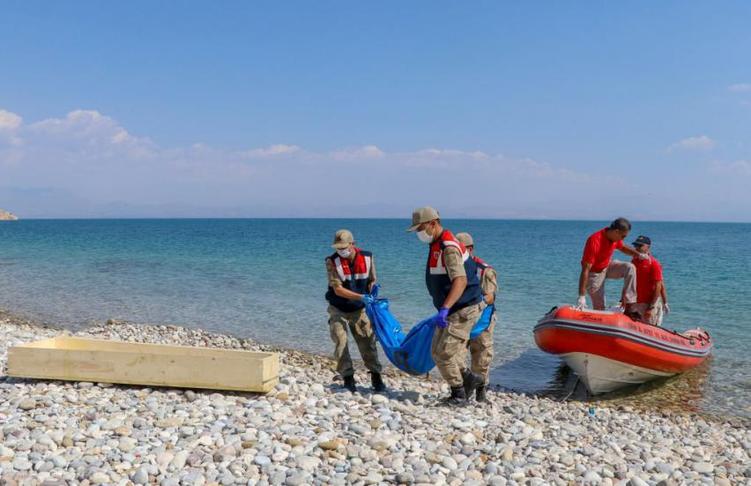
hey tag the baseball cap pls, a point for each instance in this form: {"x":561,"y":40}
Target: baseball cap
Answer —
{"x":422,"y":215}
{"x":465,"y":238}
{"x":343,"y":239}
{"x":642,"y":240}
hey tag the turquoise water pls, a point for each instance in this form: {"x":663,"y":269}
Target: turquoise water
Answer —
{"x":265,"y":279}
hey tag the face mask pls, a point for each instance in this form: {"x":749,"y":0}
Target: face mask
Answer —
{"x":424,"y":236}
{"x":346,"y":253}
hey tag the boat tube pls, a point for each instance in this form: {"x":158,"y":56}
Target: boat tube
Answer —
{"x":608,"y":350}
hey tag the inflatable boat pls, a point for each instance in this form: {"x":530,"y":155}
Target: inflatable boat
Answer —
{"x":608,"y":350}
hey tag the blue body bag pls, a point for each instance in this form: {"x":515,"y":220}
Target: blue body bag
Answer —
{"x":410,"y":352}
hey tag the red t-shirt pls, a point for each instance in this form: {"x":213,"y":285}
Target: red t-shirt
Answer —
{"x":648,"y":273}
{"x":599,"y":250}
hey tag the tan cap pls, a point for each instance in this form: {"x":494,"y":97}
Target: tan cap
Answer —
{"x":422,"y":215}
{"x":343,"y":239}
{"x":465,"y":238}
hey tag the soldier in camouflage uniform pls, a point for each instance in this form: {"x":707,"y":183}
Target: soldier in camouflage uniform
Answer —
{"x":481,"y":347}
{"x":351,"y":276}
{"x":451,"y":278}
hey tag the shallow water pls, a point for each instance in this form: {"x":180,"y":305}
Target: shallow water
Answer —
{"x":265,"y":279}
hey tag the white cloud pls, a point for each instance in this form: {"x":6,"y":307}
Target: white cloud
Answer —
{"x":9,"y":120}
{"x":737,"y":168}
{"x":87,"y":164}
{"x":89,"y":155}
{"x":366,"y":152}
{"x":270,"y":151}
{"x":9,"y":124}
{"x":740,"y":88}
{"x":88,"y":126}
{"x":702,"y":142}
{"x":82,"y":135}
{"x":449,"y":153}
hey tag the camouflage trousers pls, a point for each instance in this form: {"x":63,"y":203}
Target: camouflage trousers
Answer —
{"x":481,"y":351}
{"x":449,"y":347}
{"x":361,"y":329}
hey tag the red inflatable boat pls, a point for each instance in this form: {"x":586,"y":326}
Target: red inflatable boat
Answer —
{"x":608,"y":350}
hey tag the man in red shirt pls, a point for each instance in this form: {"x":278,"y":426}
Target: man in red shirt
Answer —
{"x":598,"y":265}
{"x":651,"y":296}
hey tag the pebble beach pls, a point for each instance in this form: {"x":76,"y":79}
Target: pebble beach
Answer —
{"x":308,"y":430}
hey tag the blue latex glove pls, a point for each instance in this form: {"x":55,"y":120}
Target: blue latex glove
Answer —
{"x":440,"y":319}
{"x":367,"y":299}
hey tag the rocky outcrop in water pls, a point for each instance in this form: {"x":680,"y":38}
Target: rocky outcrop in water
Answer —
{"x":6,"y":216}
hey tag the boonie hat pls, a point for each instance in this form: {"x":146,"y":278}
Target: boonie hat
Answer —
{"x":642,"y":240}
{"x":465,"y":238}
{"x":422,"y":215}
{"x":343,"y":239}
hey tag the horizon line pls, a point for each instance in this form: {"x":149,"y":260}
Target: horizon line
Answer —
{"x":162,"y":218}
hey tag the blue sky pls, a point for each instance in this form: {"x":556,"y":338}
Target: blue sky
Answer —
{"x":488,"y":109}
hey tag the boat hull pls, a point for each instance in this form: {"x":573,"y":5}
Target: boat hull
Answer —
{"x":608,"y":350}
{"x":603,"y":375}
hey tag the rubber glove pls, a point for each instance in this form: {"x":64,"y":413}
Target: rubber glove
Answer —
{"x":582,"y":302}
{"x":440,"y":319}
{"x":665,"y":308}
{"x":367,"y":299}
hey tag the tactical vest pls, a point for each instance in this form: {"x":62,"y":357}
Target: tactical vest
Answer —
{"x":481,"y":267}
{"x":437,"y":279}
{"x":355,"y":276}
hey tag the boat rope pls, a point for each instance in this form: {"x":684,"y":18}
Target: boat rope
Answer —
{"x":572,"y":390}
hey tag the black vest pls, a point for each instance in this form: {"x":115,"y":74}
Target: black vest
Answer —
{"x":351,"y":280}
{"x":439,"y":284}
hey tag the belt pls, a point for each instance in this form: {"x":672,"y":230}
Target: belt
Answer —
{"x":458,"y":307}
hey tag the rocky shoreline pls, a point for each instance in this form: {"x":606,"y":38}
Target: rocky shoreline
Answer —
{"x":7,"y":216}
{"x":310,"y":431}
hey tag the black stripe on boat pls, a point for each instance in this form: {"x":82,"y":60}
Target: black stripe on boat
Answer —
{"x":623,"y":333}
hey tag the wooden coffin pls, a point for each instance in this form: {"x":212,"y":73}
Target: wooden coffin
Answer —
{"x":96,"y":360}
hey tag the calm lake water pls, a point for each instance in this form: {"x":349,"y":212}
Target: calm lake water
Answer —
{"x":265,"y":279}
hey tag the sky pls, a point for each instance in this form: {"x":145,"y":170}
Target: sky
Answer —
{"x":571,"y":110}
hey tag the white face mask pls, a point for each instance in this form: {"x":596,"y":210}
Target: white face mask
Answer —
{"x":346,"y":253}
{"x":424,"y":236}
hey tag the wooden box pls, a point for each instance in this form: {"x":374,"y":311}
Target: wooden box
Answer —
{"x":96,"y":360}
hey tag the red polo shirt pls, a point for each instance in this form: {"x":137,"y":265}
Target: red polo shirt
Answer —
{"x":648,"y":273}
{"x":599,"y":251}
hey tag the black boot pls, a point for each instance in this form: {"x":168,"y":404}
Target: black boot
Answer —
{"x":471,"y":382}
{"x":457,"y":398}
{"x":480,"y":394}
{"x":377,"y":382}
{"x":349,"y":383}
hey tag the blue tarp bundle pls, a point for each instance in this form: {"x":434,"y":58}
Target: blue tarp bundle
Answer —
{"x":411,"y":352}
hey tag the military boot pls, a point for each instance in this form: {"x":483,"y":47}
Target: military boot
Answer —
{"x":480,"y":394}
{"x":349,"y":383}
{"x":472,"y":381}
{"x":457,"y":398}
{"x":377,"y":382}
